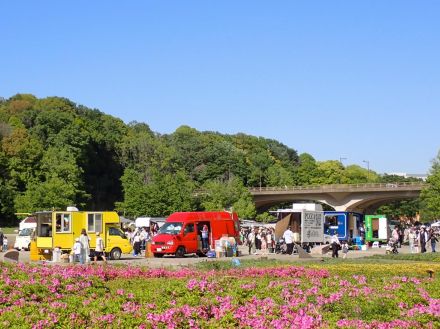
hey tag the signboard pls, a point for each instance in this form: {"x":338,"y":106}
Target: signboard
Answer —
{"x":312,"y":227}
{"x":383,"y":228}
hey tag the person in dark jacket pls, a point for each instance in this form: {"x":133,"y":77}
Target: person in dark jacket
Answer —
{"x":423,"y":238}
{"x":2,"y":236}
{"x":433,"y":237}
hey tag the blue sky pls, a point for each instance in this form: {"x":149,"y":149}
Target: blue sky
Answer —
{"x":352,"y":79}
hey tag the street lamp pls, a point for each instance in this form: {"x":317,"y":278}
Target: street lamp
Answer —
{"x":368,"y":166}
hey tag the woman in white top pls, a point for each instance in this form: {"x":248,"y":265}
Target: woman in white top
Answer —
{"x":269,"y":241}
{"x":85,"y":242}
{"x":412,"y":236}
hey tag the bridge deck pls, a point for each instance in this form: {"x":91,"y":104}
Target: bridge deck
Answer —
{"x":413,"y":186}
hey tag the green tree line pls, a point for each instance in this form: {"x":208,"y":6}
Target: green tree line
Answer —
{"x":55,"y":153}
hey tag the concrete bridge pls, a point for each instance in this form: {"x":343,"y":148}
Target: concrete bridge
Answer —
{"x":363,"y":198}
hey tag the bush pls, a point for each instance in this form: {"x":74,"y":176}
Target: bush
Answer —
{"x":275,"y":295}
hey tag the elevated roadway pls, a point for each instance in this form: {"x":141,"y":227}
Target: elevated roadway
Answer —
{"x":363,"y":198}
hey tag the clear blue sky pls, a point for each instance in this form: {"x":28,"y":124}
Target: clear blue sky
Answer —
{"x":352,"y":79}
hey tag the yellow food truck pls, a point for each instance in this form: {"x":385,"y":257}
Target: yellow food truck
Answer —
{"x":58,"y":229}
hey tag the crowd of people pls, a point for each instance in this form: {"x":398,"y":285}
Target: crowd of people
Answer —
{"x":260,"y":240}
{"x":420,"y":238}
{"x":139,"y":237}
{"x":81,"y":248}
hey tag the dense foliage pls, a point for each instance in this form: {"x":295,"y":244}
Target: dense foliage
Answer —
{"x":430,"y":197}
{"x":332,"y":296}
{"x":55,"y":153}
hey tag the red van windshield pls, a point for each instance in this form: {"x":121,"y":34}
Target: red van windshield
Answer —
{"x":171,"y":228}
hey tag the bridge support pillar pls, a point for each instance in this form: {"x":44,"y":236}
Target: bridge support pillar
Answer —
{"x":340,"y":208}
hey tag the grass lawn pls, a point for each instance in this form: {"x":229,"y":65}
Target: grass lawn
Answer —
{"x":9,"y":230}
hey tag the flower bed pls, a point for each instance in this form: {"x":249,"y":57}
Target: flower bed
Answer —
{"x":338,"y":295}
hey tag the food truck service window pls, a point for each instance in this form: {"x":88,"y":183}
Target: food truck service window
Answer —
{"x":94,"y":222}
{"x":63,"y":222}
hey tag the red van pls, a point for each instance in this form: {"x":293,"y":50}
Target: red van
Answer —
{"x":182,"y":232}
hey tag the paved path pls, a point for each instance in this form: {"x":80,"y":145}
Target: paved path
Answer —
{"x":191,"y":260}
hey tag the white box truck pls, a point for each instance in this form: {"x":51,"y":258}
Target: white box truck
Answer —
{"x":306,"y":221}
{"x":26,"y":231}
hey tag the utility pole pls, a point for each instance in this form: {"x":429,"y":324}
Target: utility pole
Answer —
{"x":340,"y":160}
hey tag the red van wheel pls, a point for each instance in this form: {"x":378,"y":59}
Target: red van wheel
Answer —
{"x":180,"y":252}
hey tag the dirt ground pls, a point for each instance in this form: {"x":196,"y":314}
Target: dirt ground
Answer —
{"x":189,"y":260}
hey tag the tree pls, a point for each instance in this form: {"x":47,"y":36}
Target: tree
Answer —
{"x":355,"y":174}
{"x":307,"y":170}
{"x":430,"y":196}
{"x":277,"y":175}
{"x":163,"y":195}
{"x":329,"y":172}
{"x":259,"y":163}
{"x":400,"y":209}
{"x":53,"y":193}
{"x":24,"y":153}
{"x":225,"y":195}
{"x":7,"y":193}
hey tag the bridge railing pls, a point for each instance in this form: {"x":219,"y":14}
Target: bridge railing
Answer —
{"x":339,"y":187}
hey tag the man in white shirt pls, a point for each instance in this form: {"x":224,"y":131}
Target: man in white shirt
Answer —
{"x":99,"y":249}
{"x":251,"y":241}
{"x":288,"y":238}
{"x":335,"y":245}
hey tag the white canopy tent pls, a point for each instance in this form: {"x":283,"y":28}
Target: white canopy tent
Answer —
{"x":146,"y":221}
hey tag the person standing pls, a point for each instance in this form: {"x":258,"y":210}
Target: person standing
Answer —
{"x":269,"y":241}
{"x":251,"y":242}
{"x":5,"y":243}
{"x":288,"y":239}
{"x":99,"y":249}
{"x":411,"y":239}
{"x":416,"y":240}
{"x":335,"y":245}
{"x":137,"y":244}
{"x":143,"y":238}
{"x":401,"y":236}
{"x":423,"y":238}
{"x":77,"y":252}
{"x":258,"y":239}
{"x":395,"y":235}
{"x":263,"y":243}
{"x":205,"y":237}
{"x":362,"y":233}
{"x":85,"y":242}
{"x":344,"y":249}
{"x":433,"y":238}
{"x":2,"y":236}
